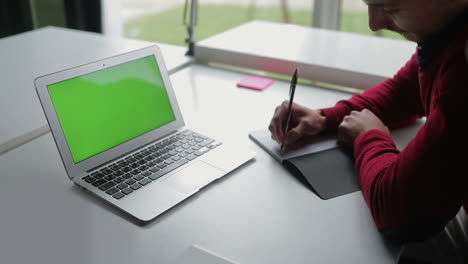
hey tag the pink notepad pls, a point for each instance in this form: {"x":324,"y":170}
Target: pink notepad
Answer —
{"x":255,"y":82}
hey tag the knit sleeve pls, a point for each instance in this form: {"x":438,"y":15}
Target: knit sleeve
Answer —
{"x":394,"y":101}
{"x":422,"y":187}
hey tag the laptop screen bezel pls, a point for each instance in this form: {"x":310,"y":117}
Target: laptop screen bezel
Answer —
{"x":74,"y":169}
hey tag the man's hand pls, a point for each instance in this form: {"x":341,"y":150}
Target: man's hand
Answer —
{"x":357,"y":123}
{"x":304,"y":124}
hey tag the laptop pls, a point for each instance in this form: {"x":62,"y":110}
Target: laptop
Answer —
{"x":121,"y":135}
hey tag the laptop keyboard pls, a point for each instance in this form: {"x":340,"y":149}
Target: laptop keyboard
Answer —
{"x":132,"y":173}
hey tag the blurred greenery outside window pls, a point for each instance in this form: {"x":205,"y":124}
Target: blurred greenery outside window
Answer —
{"x":166,"y":26}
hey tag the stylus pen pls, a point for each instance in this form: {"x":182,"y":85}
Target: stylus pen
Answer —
{"x":292,"y":89}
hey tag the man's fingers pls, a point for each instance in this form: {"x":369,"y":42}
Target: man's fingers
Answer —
{"x":272,"y":129}
{"x":295,"y":133}
{"x":276,"y":124}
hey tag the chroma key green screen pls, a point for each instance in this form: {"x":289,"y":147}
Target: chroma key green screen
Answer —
{"x":102,"y":109}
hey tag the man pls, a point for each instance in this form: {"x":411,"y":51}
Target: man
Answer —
{"x":413,"y":193}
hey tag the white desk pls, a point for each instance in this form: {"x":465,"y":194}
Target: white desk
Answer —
{"x":27,"y":56}
{"x":258,"y":214}
{"x":322,"y":55}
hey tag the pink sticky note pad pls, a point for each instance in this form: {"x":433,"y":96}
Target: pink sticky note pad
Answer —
{"x":255,"y":82}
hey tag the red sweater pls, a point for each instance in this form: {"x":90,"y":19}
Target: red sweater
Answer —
{"x":426,"y":182}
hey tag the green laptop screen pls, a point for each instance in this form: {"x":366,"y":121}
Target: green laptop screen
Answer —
{"x":102,"y":109}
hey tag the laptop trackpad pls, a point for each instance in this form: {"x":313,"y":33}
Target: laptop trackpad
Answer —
{"x":192,"y":178}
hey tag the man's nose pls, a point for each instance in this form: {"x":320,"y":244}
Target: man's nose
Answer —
{"x":378,"y":20}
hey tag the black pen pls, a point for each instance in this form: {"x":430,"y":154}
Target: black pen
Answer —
{"x":292,"y":89}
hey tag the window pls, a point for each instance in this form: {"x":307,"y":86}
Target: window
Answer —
{"x":162,"y":21}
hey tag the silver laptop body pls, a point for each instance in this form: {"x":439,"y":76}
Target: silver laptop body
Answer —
{"x":75,"y":104}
